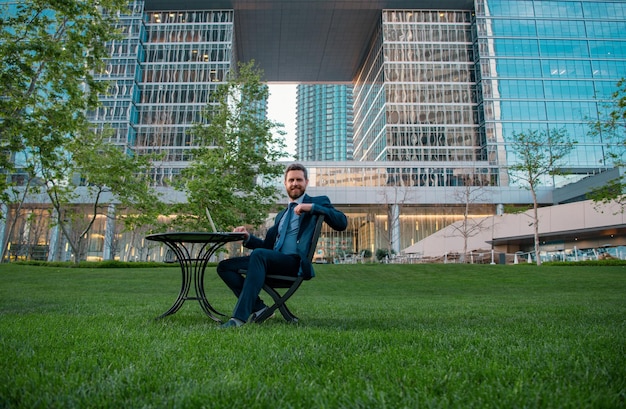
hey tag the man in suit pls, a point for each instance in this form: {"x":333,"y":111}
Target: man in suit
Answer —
{"x":284,"y":249}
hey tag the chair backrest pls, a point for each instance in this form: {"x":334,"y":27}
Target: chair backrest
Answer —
{"x":316,"y":236}
{"x":291,"y":282}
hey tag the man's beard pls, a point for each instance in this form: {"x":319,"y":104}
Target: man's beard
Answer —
{"x":295,"y":194}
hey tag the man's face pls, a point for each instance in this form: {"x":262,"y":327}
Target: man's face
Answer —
{"x":295,"y":183}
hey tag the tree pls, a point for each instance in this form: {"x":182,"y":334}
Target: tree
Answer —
{"x":51,"y":51}
{"x":109,"y":175}
{"x":233,"y":171}
{"x":471,"y":193}
{"x":612,"y":128}
{"x":394,"y":195}
{"x":539,"y":156}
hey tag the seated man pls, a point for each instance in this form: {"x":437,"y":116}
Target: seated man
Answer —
{"x":284,"y":249}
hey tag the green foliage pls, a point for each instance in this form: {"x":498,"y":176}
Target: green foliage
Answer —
{"x":515,"y":209}
{"x":367,"y":254}
{"x":106,"y":168}
{"x":370,"y":336}
{"x":611,"y":191}
{"x":589,"y":263}
{"x":108,"y":174}
{"x":99,"y":264}
{"x":233,"y":166}
{"x":539,"y":154}
{"x":381,"y":254}
{"x":49,"y":52}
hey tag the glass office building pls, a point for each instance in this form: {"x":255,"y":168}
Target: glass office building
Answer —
{"x":442,"y":91}
{"x":119,"y":113}
{"x":446,"y":90}
{"x":324,"y":122}
{"x":436,"y":101}
{"x":546,"y":65}
{"x":187,"y":55}
{"x":416,"y":100}
{"x":162,"y":73}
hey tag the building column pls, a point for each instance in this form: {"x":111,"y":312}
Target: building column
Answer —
{"x":4,"y":209}
{"x":394,"y":228}
{"x":53,"y":246}
{"x":499,"y":209}
{"x":109,"y":234}
{"x":56,"y":251}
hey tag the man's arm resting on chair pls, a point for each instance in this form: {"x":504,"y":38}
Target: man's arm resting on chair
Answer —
{"x":333,"y":217}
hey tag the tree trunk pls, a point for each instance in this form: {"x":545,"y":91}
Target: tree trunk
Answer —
{"x":536,"y":225}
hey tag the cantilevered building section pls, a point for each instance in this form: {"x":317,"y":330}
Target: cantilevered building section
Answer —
{"x":416,"y":101}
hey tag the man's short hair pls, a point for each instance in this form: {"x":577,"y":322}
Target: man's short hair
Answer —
{"x":297,"y":166}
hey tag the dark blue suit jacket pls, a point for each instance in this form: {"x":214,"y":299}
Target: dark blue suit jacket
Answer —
{"x":321,"y":207}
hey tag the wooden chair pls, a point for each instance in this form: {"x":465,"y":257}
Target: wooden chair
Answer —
{"x":290,"y":283}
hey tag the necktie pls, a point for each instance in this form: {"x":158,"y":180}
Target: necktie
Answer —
{"x":284,"y":226}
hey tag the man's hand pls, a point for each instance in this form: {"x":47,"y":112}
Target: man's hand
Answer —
{"x":242,"y":229}
{"x":303,"y":207}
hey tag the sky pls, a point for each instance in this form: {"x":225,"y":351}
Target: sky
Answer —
{"x":281,"y":107}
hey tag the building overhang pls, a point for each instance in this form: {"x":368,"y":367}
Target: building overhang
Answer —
{"x":566,"y":236}
{"x":305,"y":41}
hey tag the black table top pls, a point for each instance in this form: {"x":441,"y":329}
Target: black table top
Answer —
{"x":197,"y":237}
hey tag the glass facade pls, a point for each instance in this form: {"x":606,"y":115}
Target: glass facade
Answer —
{"x":415,"y":98}
{"x":548,"y":65}
{"x":187,"y":54}
{"x":162,"y":73}
{"x":393,"y":174}
{"x":324,"y":122}
{"x":119,"y":112}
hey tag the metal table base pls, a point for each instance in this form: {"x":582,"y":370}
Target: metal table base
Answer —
{"x":193,"y":251}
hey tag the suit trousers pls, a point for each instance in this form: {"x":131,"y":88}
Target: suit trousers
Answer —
{"x":258,"y":264}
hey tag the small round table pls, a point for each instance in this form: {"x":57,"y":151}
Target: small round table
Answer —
{"x":193,"y":251}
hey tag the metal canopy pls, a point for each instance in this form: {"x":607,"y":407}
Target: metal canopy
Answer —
{"x":305,"y":41}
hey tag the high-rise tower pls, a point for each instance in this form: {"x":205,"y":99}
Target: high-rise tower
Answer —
{"x":324,"y":122}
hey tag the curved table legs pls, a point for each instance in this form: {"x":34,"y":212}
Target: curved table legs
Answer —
{"x":192,"y":269}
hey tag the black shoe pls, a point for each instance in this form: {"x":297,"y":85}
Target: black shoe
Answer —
{"x":257,"y":314}
{"x":231,"y":323}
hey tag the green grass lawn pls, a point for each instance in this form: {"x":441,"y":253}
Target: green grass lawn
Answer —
{"x":370,"y":336}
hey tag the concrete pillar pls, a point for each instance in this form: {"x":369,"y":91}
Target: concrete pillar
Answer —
{"x":499,"y":209}
{"x":53,"y":243}
{"x":57,"y":246}
{"x":394,"y":228}
{"x":109,"y":234}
